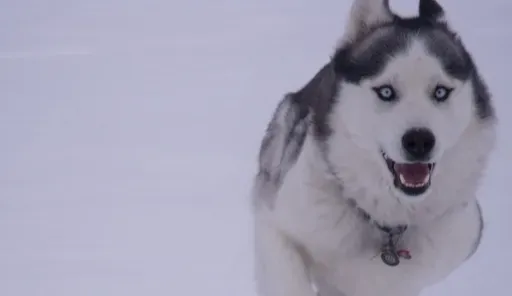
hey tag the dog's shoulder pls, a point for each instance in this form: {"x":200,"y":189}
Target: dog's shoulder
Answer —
{"x":287,"y":130}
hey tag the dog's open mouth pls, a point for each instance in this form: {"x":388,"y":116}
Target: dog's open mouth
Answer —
{"x":410,"y":178}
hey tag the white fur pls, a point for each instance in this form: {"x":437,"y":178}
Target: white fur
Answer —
{"x":310,"y":237}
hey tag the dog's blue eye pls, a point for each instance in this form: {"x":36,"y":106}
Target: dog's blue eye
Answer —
{"x":441,"y":93}
{"x":385,"y":92}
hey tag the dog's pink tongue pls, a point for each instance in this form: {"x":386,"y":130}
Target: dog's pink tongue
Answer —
{"x":413,"y":173}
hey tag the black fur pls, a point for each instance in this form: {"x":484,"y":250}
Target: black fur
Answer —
{"x":430,"y":9}
{"x":367,"y":58}
{"x":319,"y":95}
{"x":292,"y":132}
{"x":484,"y":107}
{"x":284,"y":139}
{"x":315,"y":98}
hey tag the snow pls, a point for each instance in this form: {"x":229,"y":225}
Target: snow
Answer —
{"x":129,"y":132}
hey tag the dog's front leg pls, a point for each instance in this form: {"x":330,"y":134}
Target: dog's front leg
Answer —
{"x":280,"y":269}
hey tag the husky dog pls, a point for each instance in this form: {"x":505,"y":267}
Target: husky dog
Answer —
{"x":368,"y":174}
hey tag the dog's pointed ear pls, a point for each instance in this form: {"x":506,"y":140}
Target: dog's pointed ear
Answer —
{"x":430,"y":9}
{"x":364,"y":15}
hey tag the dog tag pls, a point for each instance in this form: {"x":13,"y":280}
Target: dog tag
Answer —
{"x":390,"y":258}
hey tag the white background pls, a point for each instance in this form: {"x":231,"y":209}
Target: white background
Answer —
{"x":129,"y":132}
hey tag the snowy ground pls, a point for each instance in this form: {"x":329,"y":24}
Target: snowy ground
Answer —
{"x":129,"y":131}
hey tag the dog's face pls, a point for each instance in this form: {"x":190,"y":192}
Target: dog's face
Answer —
{"x":407,"y":115}
{"x":407,"y":93}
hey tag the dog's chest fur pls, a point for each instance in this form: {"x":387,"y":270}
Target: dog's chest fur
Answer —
{"x":342,"y":250}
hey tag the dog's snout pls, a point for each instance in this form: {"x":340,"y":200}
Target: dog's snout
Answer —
{"x":418,"y":143}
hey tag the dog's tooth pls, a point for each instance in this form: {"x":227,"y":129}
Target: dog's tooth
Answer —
{"x":402,"y":179}
{"x":414,"y":185}
{"x":427,"y":178}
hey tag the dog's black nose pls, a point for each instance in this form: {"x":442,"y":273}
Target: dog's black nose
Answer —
{"x":418,"y":143}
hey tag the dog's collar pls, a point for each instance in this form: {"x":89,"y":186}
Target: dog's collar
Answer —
{"x":396,"y":230}
{"x":389,"y":253}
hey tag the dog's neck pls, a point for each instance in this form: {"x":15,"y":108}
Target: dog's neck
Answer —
{"x":382,"y":226}
{"x":391,"y":231}
{"x":380,"y":206}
